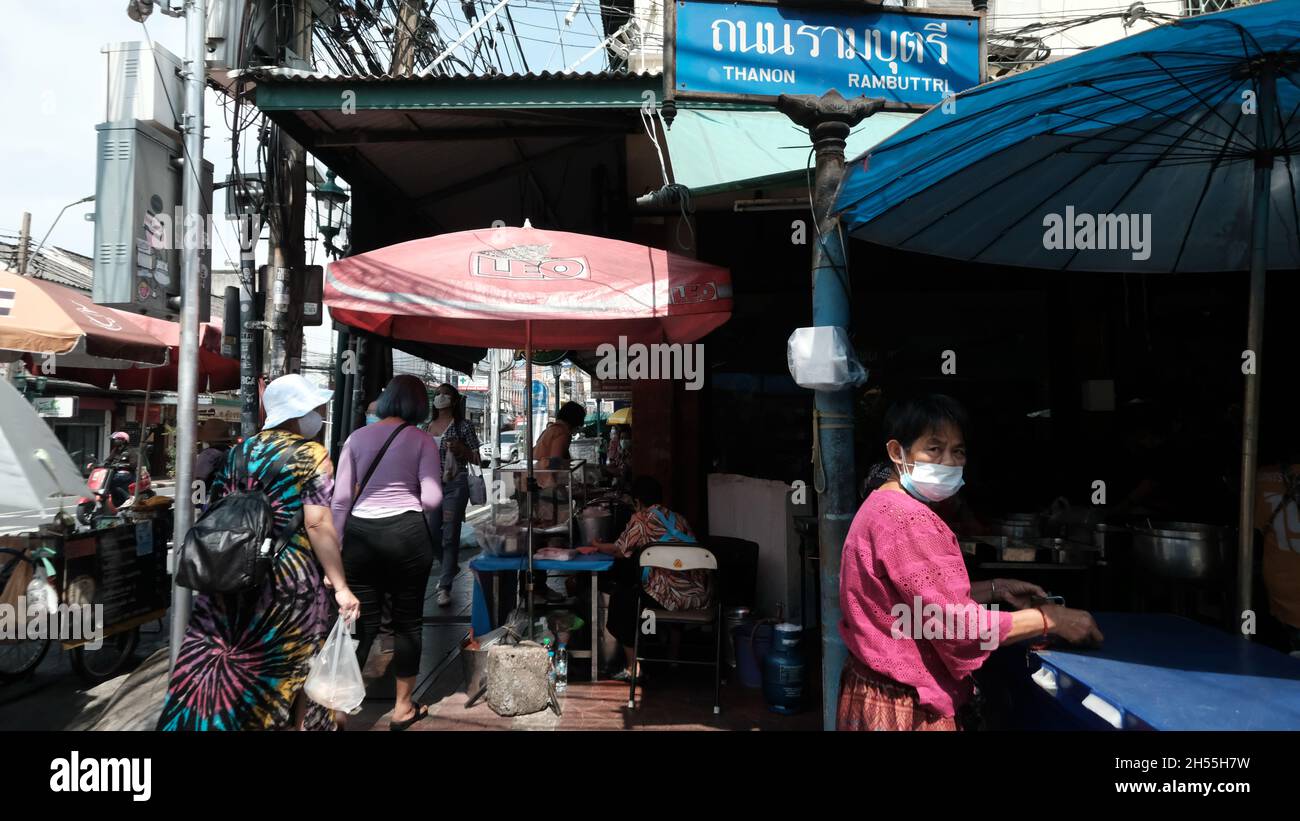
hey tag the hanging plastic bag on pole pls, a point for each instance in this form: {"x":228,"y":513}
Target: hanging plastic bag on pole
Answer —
{"x":822,"y":358}
{"x":334,"y":680}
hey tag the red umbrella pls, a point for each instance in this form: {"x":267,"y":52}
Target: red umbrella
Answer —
{"x":39,"y":317}
{"x":524,"y":287}
{"x":486,"y":287}
{"x":216,"y":372}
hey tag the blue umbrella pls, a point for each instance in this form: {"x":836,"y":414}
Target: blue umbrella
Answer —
{"x":1171,"y":150}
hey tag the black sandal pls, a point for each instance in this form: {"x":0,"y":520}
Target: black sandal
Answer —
{"x":421,"y":712}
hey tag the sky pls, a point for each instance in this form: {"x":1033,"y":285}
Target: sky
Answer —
{"x":55,"y":92}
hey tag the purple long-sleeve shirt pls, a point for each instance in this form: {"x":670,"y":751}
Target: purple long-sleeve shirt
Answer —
{"x":409,"y":478}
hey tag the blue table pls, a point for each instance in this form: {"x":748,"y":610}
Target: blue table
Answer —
{"x":481,"y":617}
{"x":1163,"y":672}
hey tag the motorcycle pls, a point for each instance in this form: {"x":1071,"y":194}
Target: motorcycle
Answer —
{"x":112,"y":484}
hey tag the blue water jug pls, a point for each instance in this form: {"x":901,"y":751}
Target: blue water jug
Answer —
{"x":783,"y":671}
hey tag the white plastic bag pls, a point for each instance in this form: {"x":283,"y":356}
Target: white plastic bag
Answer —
{"x":822,"y":358}
{"x":334,"y":680}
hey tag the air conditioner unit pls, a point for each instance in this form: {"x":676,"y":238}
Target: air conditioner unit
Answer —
{"x":143,"y":84}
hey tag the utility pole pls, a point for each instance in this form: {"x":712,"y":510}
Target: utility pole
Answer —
{"x":828,"y":119}
{"x":408,"y":19}
{"x":187,"y":366}
{"x":24,"y":239}
{"x":288,"y":186}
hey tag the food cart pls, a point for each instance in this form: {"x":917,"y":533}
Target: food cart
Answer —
{"x":104,"y":583}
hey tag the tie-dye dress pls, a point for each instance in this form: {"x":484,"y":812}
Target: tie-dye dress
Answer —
{"x":245,"y":656}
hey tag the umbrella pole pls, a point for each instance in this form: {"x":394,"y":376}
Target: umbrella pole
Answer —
{"x":1259,"y":216}
{"x":144,"y":425}
{"x":532,"y":481}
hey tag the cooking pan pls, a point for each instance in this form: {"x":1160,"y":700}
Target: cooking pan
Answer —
{"x":1191,"y":551}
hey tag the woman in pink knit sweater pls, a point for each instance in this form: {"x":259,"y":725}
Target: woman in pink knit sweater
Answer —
{"x":915,"y":625}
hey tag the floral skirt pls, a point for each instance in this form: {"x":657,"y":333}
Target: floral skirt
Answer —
{"x":869,"y":701}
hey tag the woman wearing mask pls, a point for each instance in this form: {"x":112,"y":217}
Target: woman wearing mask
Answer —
{"x":900,"y":555}
{"x":458,"y":447}
{"x":387,"y":508}
{"x":245,"y":656}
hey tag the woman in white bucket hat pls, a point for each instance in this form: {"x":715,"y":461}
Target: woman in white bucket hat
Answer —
{"x":245,"y":657}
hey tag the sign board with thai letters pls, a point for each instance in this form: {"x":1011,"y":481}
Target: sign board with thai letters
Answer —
{"x":756,"y":50}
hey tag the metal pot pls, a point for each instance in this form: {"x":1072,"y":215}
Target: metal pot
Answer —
{"x":1180,"y":550}
{"x":603,"y":520}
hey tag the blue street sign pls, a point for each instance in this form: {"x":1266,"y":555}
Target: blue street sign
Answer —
{"x":911,"y":59}
{"x":539,"y":395}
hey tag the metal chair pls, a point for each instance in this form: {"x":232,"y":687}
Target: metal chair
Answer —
{"x":678,"y":556}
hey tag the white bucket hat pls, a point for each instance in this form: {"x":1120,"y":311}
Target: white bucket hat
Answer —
{"x":290,"y":397}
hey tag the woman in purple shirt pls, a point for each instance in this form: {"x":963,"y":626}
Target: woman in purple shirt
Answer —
{"x":388,"y":527}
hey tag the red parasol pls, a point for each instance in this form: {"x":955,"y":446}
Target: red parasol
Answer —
{"x":483,"y":288}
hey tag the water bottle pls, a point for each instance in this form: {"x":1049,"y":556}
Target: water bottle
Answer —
{"x":562,"y":668}
{"x":550,"y":671}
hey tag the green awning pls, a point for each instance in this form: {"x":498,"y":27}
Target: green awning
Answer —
{"x":714,"y":150}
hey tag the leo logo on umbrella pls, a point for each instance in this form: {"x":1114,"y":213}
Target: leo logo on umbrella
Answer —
{"x":527,"y":262}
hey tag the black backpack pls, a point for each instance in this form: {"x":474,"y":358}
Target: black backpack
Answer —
{"x":232,"y":546}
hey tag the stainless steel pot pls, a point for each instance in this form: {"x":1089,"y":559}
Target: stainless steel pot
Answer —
{"x":1180,"y":550}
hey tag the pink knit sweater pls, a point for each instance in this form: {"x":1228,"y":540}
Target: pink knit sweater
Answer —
{"x":900,"y":553}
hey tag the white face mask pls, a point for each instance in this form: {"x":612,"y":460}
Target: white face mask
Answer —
{"x":442,"y":401}
{"x":309,"y":424}
{"x":929,"y":481}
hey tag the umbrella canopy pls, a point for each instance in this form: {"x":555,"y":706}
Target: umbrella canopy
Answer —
{"x":1161,"y":129}
{"x":34,"y":467}
{"x":216,"y":372}
{"x":40,"y":317}
{"x":622,"y":416}
{"x":485,"y":287}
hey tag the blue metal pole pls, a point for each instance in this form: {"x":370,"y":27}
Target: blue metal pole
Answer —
{"x":828,"y":119}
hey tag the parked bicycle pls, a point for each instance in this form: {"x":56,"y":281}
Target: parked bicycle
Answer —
{"x":20,"y":656}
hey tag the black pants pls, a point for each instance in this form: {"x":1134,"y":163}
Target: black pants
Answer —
{"x":390,"y":556}
{"x":623,"y":583}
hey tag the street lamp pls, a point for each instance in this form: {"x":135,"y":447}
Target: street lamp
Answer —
{"x":330,"y":202}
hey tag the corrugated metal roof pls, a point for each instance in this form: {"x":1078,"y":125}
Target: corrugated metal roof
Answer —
{"x":298,"y":75}
{"x":52,"y":264}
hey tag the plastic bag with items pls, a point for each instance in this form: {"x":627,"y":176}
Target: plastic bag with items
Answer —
{"x":334,"y":680}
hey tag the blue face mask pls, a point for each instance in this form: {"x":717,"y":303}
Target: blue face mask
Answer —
{"x":930,"y":482}
{"x":371,"y":419}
